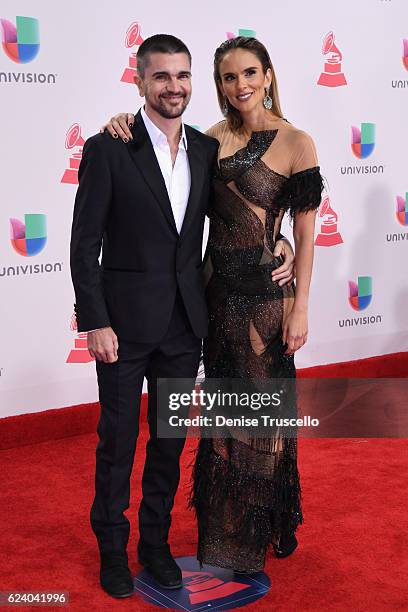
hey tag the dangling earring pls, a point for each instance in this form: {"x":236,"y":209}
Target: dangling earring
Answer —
{"x":267,"y":101}
{"x":225,"y":107}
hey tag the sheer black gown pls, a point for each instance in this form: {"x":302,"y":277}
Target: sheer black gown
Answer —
{"x":246,"y":492}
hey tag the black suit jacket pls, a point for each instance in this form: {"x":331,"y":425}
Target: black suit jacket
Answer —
{"x":122,"y":205}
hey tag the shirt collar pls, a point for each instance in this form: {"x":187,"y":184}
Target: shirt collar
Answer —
{"x":157,"y":136}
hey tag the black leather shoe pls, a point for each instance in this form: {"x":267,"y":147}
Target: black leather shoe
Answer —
{"x":286,"y":546}
{"x":160,"y":564}
{"x":115,"y":576}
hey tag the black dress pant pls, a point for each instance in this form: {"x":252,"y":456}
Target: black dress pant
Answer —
{"x":120,"y":386}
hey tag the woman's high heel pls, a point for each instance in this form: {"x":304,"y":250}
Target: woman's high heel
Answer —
{"x":286,"y":546}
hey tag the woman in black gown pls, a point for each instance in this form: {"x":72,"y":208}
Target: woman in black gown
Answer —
{"x":246,"y":491}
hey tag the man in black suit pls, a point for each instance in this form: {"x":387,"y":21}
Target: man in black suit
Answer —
{"x":144,"y":202}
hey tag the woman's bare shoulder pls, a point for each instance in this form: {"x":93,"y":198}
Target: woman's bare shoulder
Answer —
{"x":298,"y":137}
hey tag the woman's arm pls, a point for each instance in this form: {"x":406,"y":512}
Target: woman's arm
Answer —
{"x":304,"y":197}
{"x":296,"y":326}
{"x":303,"y":234}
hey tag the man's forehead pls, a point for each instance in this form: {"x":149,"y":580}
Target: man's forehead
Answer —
{"x":167,"y":62}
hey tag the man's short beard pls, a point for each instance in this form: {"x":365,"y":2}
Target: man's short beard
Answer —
{"x":163,"y":112}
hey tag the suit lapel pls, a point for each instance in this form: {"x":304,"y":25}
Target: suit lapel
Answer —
{"x":197,"y":165}
{"x":143,"y":155}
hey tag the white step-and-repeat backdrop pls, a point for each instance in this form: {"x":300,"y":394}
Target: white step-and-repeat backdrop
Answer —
{"x":342,"y":70}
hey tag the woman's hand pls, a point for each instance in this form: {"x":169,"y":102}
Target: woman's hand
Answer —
{"x":295,"y":331}
{"x":119,"y":125}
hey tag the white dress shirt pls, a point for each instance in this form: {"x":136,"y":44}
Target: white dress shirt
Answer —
{"x":177,"y":178}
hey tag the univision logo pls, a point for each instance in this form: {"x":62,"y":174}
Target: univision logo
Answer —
{"x":401,"y":216}
{"x":363,"y":140}
{"x":360,"y":293}
{"x":242,"y":32}
{"x":402,"y":83}
{"x":360,"y":296}
{"x":28,"y":239}
{"x":402,"y":209}
{"x":21,"y":44}
{"x":362,"y":146}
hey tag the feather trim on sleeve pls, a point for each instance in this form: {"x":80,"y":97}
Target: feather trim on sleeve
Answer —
{"x":302,"y":191}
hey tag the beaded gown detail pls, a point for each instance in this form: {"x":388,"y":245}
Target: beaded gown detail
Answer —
{"x":246,"y":491}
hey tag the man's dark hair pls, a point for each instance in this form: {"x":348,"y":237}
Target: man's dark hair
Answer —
{"x":159,"y":43}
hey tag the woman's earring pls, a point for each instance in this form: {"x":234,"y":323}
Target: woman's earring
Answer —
{"x":225,"y":107}
{"x":267,"y":101}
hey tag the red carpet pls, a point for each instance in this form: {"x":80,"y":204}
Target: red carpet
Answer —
{"x":352,"y":548}
{"x":353,"y":545}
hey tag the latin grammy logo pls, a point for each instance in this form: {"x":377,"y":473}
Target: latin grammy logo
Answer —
{"x":73,"y":139}
{"x":205,"y":587}
{"x":132,"y":39}
{"x":328,"y":235}
{"x":332,"y":76}
{"x":80,"y":353}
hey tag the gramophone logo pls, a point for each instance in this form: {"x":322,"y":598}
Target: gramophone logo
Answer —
{"x":402,"y":209}
{"x":405,"y":52}
{"x":29,"y":238}
{"x":328,"y":234}
{"x":332,"y":75}
{"x":73,"y":142}
{"x":242,"y":32}
{"x":360,"y":293}
{"x":363,"y":140}
{"x":80,"y":353}
{"x":21,"y":42}
{"x":133,"y":38}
